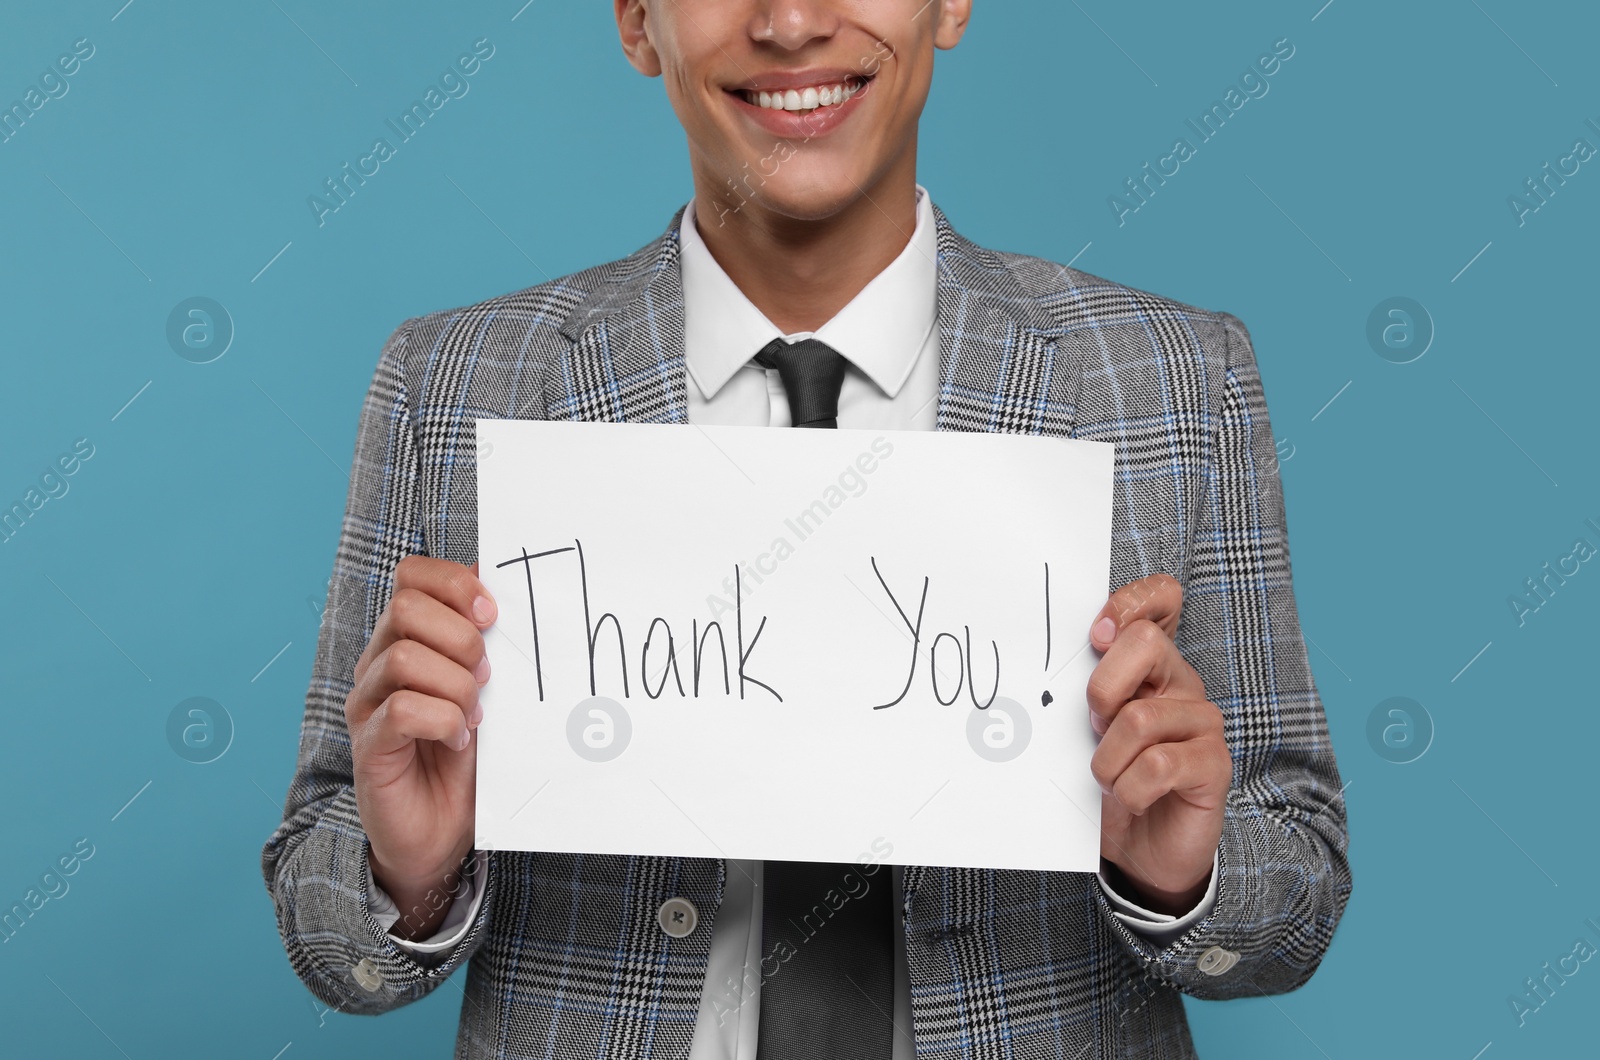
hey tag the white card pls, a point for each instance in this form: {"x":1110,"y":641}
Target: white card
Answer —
{"x":794,"y":637}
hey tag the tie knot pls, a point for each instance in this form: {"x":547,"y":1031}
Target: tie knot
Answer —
{"x":812,"y":373}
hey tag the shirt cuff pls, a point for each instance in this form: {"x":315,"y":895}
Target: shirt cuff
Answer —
{"x":1161,"y":928}
{"x":463,"y":912}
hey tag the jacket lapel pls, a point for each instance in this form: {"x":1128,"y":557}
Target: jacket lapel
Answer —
{"x":626,"y":360}
{"x":1000,"y":367}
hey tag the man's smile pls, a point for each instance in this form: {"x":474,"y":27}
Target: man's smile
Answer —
{"x":807,"y":98}
{"x":801,"y":103}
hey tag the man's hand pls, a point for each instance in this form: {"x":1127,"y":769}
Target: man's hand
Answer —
{"x":1162,"y":761}
{"x":411,"y":717}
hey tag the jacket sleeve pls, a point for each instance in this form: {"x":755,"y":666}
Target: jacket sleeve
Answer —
{"x":1283,"y":872}
{"x":315,"y":862}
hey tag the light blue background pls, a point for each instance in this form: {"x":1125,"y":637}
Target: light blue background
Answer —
{"x":195,"y":544}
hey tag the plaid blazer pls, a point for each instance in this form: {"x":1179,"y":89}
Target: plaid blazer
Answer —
{"x":565,"y":958}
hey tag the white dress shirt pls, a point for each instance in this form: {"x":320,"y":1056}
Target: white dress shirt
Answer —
{"x":889,"y":334}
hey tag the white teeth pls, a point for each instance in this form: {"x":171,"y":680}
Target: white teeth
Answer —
{"x":803,"y":99}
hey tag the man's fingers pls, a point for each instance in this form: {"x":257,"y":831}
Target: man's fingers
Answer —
{"x":414,"y":615}
{"x":1192,"y":769}
{"x":452,"y":584}
{"x":1157,"y":598}
{"x":1142,"y":662}
{"x":456,"y":588}
{"x":407,"y":716}
{"x":407,"y":665}
{"x":1146,"y":723}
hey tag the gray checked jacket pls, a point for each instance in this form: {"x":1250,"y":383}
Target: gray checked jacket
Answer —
{"x":565,"y":957}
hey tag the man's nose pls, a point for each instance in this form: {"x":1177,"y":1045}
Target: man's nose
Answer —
{"x":792,"y":24}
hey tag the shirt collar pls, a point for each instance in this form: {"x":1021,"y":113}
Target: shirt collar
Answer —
{"x":881,"y":331}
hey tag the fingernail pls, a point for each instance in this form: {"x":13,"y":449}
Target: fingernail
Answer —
{"x":475,"y":718}
{"x":1104,"y":631}
{"x":482,"y":671}
{"x":466,"y":738}
{"x":1098,"y":723}
{"x":483,"y":609}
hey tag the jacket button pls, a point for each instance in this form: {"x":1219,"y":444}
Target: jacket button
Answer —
{"x":367,"y":976}
{"x":677,"y":917}
{"x":1217,"y":960}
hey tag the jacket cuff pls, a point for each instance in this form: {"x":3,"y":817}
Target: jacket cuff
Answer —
{"x":452,"y":930}
{"x":1220,"y":952}
{"x":1161,"y":928}
{"x":355,"y":965}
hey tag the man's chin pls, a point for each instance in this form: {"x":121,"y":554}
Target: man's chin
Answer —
{"x":811,"y":198}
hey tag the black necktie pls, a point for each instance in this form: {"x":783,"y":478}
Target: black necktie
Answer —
{"x":826,"y":931}
{"x":812,"y":374}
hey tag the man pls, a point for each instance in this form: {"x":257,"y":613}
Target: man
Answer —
{"x":812,"y":282}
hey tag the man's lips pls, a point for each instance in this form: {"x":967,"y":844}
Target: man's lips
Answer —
{"x":814,"y":77}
